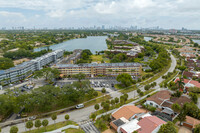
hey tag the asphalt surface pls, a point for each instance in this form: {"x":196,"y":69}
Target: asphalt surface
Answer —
{"x":81,"y":115}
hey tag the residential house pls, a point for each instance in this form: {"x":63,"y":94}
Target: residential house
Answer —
{"x":124,"y":114}
{"x":146,"y":124}
{"x":188,"y":74}
{"x":189,"y":83}
{"x":163,"y":100}
{"x":127,"y":111}
{"x":190,"y":122}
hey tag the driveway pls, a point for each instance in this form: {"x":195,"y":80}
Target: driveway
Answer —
{"x":184,"y":130}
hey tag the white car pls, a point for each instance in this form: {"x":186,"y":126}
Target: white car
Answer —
{"x":79,"y":106}
{"x":32,"y":118}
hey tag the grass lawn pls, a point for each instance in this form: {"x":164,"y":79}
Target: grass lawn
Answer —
{"x":96,"y":58}
{"x":72,"y":130}
{"x":125,"y":89}
{"x":52,"y":127}
{"x":99,"y":58}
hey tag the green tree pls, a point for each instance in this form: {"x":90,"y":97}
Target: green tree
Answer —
{"x":48,"y":73}
{"x":194,"y":97}
{"x":168,"y":128}
{"x":116,"y":100}
{"x":147,"y":87}
{"x":106,"y":106}
{"x":79,"y":76}
{"x":181,"y":68}
{"x":176,"y":107}
{"x":182,"y":116}
{"x":6,"y":63}
{"x":54,"y":117}
{"x":96,"y":106}
{"x":29,"y":125}
{"x":103,"y":90}
{"x":180,"y":83}
{"x":14,"y":129}
{"x":66,"y":117}
{"x":113,"y":102}
{"x":0,"y":129}
{"x":93,"y":116}
{"x":125,"y":79}
{"x":45,"y":123}
{"x":38,"y":124}
{"x":197,"y":129}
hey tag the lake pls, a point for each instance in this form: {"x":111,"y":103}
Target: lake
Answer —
{"x":94,"y":43}
{"x":196,"y":41}
{"x":147,"y":38}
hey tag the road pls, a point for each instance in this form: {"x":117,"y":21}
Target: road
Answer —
{"x":80,"y":115}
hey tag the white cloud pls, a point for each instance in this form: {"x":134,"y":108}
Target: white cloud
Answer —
{"x":11,"y":14}
{"x":110,"y":12}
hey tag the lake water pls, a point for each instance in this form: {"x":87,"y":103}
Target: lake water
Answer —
{"x":94,"y":43}
{"x":147,"y":38}
{"x":196,"y":41}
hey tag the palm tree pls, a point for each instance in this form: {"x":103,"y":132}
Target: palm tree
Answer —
{"x":180,"y":83}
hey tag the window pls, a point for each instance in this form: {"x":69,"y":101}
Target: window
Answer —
{"x":151,"y":103}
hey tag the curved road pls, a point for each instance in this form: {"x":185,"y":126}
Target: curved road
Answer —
{"x":83,"y":114}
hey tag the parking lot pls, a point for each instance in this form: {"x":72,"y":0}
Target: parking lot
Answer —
{"x":95,"y":83}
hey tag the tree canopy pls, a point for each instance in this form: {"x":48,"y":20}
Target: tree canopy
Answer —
{"x":168,"y":128}
{"x":125,"y":79}
{"x":6,"y":63}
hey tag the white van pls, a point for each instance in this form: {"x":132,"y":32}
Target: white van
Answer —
{"x":79,"y":106}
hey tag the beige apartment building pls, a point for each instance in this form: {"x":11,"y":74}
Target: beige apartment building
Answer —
{"x":104,"y":69}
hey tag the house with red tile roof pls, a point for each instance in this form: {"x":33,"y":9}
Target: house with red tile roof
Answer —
{"x":164,"y":101}
{"x":149,"y":124}
{"x":157,"y":99}
{"x":190,"y":122}
{"x":127,"y":111}
{"x":189,"y":83}
{"x":188,"y":74}
{"x":124,"y":114}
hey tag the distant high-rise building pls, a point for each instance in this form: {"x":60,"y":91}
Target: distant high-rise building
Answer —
{"x":103,"y":27}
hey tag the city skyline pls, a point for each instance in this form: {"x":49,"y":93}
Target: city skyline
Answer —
{"x":168,"y":14}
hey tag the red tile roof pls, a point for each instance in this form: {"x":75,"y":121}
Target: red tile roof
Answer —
{"x":149,"y":124}
{"x":192,"y":121}
{"x":188,"y":74}
{"x":195,"y":83}
{"x":127,"y":112}
{"x":160,"y":96}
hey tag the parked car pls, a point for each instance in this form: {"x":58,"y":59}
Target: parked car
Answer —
{"x":79,"y":106}
{"x":32,"y":118}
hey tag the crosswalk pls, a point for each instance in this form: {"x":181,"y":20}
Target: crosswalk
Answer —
{"x":88,"y":127}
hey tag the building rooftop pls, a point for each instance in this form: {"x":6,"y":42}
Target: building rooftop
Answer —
{"x":160,"y":97}
{"x":131,"y":126}
{"x":150,"y":123}
{"x":192,"y":121}
{"x":98,"y":65}
{"x":127,"y":112}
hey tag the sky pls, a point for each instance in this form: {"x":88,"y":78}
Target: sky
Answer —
{"x":78,"y":13}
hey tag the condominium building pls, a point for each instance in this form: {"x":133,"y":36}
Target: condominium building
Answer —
{"x":23,"y":70}
{"x":106,"y":69}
